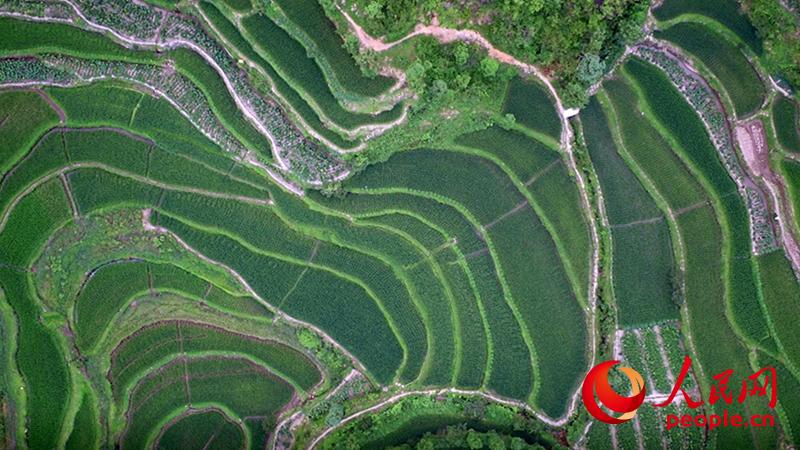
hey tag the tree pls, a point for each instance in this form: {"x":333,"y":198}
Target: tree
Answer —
{"x":426,"y":443}
{"x":489,"y":67}
{"x":496,"y":442}
{"x":374,"y":10}
{"x":590,"y":69}
{"x":308,"y":339}
{"x":474,"y":440}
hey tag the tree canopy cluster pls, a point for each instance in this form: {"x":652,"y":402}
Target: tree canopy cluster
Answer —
{"x":777,"y":27}
{"x":576,"y":41}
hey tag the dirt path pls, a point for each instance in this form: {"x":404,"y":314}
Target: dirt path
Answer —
{"x":752,"y":141}
{"x":62,"y":116}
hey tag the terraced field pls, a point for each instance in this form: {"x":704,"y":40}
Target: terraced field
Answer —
{"x":240,"y":224}
{"x":726,"y":62}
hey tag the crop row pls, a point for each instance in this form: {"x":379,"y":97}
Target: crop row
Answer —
{"x":208,"y":428}
{"x":238,"y":45}
{"x":677,"y":117}
{"x":243,"y":387}
{"x":168,"y":339}
{"x":329,"y":51}
{"x":39,"y":357}
{"x":486,"y":193}
{"x":506,"y":375}
{"x":290,"y":59}
{"x":705,"y":104}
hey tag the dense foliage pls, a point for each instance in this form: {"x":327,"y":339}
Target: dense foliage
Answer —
{"x":777,"y":27}
{"x":577,"y":40}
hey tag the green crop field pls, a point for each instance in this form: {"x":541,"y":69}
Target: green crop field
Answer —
{"x":725,"y":61}
{"x":217,"y":431}
{"x":531,"y":106}
{"x":786,"y":122}
{"x":309,"y":16}
{"x":385,"y":224}
{"x":289,"y":58}
{"x":727,"y":12}
{"x":643,"y":281}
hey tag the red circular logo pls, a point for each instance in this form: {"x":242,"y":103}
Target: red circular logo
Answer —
{"x":596,"y":382}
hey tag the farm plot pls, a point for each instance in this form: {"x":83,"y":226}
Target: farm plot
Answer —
{"x":162,"y":341}
{"x":267,"y":231}
{"x":206,"y":428}
{"x":553,"y":192}
{"x":781,"y":295}
{"x":789,"y":397}
{"x":694,"y":146}
{"x":309,"y":16}
{"x":487,"y":194}
{"x":532,"y":107}
{"x":289,"y":58}
{"x":643,"y":281}
{"x":21,"y":38}
{"x":506,"y":375}
{"x":24,"y":117}
{"x":194,"y":67}
{"x":107,"y":291}
{"x":39,"y":356}
{"x":321,"y":298}
{"x":716,"y":345}
{"x":787,"y":125}
{"x":726,"y":62}
{"x":290,"y":96}
{"x":86,"y":426}
{"x":144,"y":115}
{"x":726,"y":12}
{"x":232,"y":383}
{"x":98,"y":104}
{"x":791,"y":174}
